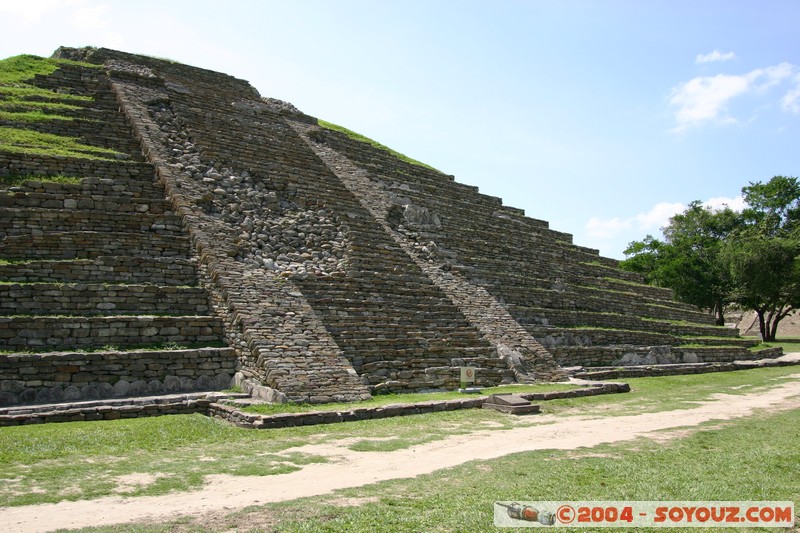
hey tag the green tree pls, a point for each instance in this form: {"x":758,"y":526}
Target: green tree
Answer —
{"x":688,"y":259}
{"x":763,"y":256}
{"x":713,"y":258}
{"x":765,"y":274}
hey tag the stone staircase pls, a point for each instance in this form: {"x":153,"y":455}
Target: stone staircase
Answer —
{"x":578,"y":305}
{"x":99,"y":291}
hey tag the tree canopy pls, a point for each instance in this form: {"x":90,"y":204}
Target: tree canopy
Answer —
{"x":712,"y":258}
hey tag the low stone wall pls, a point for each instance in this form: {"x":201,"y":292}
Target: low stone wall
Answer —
{"x":134,"y":188}
{"x":678,"y":369}
{"x":567,"y":318}
{"x":183,"y":404}
{"x":310,"y":418}
{"x":85,"y":202}
{"x":73,"y":376}
{"x":69,"y":332}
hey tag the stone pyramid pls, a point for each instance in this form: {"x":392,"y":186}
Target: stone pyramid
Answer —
{"x":200,"y":231}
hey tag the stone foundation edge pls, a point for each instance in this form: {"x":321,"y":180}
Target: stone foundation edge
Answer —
{"x":209,"y":404}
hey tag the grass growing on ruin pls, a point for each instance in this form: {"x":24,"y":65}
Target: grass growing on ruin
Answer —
{"x":358,"y":137}
{"x":789,"y":345}
{"x":12,"y":181}
{"x":28,"y":93}
{"x":30,"y":116}
{"x":34,"y":142}
{"x":19,"y":69}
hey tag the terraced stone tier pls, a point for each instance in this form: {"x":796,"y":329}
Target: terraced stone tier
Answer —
{"x":91,"y":245}
{"x":98,"y":263}
{"x":94,"y":299}
{"x":22,"y":221}
{"x":64,"y":332}
{"x":131,"y":270}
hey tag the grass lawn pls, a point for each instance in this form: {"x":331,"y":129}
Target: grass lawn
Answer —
{"x":755,"y":458}
{"x":70,"y":461}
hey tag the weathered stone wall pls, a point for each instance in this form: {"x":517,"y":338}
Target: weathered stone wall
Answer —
{"x":25,"y":220}
{"x":74,"y":376}
{"x":598,"y":356}
{"x":91,"y":244}
{"x":21,"y":332}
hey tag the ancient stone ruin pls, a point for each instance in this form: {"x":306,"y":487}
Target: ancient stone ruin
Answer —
{"x":226,"y":239}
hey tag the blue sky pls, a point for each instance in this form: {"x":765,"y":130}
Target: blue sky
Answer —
{"x":603,"y":118}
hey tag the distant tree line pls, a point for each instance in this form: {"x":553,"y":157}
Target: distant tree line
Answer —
{"x":714,"y":258}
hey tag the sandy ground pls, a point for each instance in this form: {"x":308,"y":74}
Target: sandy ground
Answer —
{"x":351,"y":469}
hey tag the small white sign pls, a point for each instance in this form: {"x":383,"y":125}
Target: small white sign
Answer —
{"x":467,"y":374}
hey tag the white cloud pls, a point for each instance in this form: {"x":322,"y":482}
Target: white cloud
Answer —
{"x":705,"y":99}
{"x":791,"y":100}
{"x":716,"y":55}
{"x":654,"y":219}
{"x":658,"y":216}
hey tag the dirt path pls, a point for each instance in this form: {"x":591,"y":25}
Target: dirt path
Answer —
{"x":351,"y":469}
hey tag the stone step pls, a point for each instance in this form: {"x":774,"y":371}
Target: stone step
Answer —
{"x":27,"y":220}
{"x":139,"y":187}
{"x":20,"y":164}
{"x":552,"y":337}
{"x":94,"y":299}
{"x":172,"y":271}
{"x":69,"y":332}
{"x":89,"y":125}
{"x":90,"y":245}
{"x":86,"y":202}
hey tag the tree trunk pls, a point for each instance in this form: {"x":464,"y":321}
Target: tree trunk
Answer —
{"x":762,"y":326}
{"x":774,"y":329}
{"x":719,"y":310}
{"x":771,"y":326}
